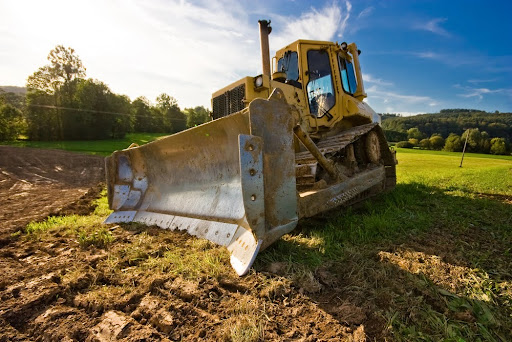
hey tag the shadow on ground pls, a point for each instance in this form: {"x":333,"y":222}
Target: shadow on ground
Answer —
{"x":434,"y":265}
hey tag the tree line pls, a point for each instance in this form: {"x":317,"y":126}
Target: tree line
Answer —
{"x":62,"y":104}
{"x":448,"y":130}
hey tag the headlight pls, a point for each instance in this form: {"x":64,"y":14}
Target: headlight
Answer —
{"x":258,"y":81}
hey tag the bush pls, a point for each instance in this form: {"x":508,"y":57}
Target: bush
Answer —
{"x":404,"y":144}
{"x":498,"y":146}
{"x":414,"y":142}
{"x":425,"y":144}
{"x":453,"y":143}
{"x":436,"y":142}
{"x":11,"y":122}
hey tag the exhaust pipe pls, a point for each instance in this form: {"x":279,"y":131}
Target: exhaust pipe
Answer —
{"x":265,"y":30}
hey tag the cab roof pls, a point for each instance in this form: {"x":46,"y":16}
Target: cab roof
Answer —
{"x":293,"y":45}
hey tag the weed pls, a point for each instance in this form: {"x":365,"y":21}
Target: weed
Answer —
{"x":72,"y":223}
{"x":100,"y":238}
{"x":246,"y":328}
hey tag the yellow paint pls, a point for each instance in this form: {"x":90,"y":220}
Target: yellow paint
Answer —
{"x":348,"y":111}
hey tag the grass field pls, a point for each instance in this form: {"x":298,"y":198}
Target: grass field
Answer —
{"x":430,"y":261}
{"x":436,"y":251}
{"x":98,"y":147}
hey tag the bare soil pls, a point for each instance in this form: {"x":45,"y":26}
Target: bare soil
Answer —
{"x":35,"y":183}
{"x":54,"y":289}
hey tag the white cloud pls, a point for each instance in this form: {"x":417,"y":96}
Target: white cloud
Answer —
{"x":186,"y":49}
{"x":434,"y":27}
{"x":383,"y":100}
{"x":367,"y":78}
{"x":479,"y":93}
{"x":483,"y":80}
{"x":453,"y":59}
{"x":402,"y":113}
{"x":366,"y":12}
{"x":407,"y":99}
{"x":322,"y":24}
{"x":428,"y":55}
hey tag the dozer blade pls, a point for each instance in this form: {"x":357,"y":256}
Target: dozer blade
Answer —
{"x":231,"y":181}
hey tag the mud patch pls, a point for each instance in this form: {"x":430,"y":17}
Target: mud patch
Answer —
{"x":35,"y":183}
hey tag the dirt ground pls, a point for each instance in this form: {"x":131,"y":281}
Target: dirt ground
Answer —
{"x":53,"y":290}
{"x":35,"y":183}
{"x":144,"y":285}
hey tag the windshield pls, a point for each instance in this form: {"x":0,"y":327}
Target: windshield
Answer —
{"x":348,"y":77}
{"x":320,"y":87}
{"x":289,"y":64}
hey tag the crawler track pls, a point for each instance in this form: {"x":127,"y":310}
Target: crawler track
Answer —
{"x":349,"y":151}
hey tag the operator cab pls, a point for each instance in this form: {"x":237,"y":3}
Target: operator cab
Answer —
{"x":287,"y":69}
{"x":324,"y":72}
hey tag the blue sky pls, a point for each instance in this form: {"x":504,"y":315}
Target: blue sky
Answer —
{"x":417,"y":56}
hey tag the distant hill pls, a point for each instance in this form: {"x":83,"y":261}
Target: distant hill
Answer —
{"x":452,"y":121}
{"x":13,"y":95}
{"x":14,"y":89}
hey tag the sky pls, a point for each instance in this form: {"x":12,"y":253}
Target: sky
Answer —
{"x":417,"y":56}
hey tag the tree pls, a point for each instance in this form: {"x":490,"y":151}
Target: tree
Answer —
{"x":453,"y":121}
{"x":485,"y":143}
{"x":453,"y":143}
{"x":173,"y":119}
{"x":436,"y":142}
{"x":498,"y":146}
{"x":415,"y":133}
{"x":196,"y":116}
{"x":99,"y":113}
{"x":395,"y":135}
{"x":52,"y":85}
{"x":474,"y":139}
{"x":425,"y":144}
{"x":42,"y":116}
{"x":11,"y":122}
{"x":121,"y":120}
{"x":404,"y":144}
{"x":64,"y":67}
{"x":16,"y":100}
{"x":142,"y":113}
{"x":414,"y":141}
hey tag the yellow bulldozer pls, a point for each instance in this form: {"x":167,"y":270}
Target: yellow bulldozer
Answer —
{"x":293,"y":142}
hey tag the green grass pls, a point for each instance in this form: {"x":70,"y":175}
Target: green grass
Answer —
{"x":480,"y":173}
{"x":99,"y":147}
{"x":100,"y":238}
{"x":88,"y":229}
{"x":458,"y":214}
{"x":430,"y":260}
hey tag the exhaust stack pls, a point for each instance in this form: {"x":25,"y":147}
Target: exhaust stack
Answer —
{"x":265,"y":30}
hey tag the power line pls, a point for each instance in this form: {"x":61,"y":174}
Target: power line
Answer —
{"x":90,"y":111}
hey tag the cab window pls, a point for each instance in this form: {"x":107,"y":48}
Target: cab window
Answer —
{"x":320,"y":87}
{"x":348,"y":76}
{"x":289,"y":64}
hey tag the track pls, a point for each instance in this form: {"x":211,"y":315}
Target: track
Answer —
{"x":353,"y":152}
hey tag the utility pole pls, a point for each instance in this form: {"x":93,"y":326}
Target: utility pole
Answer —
{"x":464,"y":149}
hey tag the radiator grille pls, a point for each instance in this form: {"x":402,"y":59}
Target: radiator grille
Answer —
{"x":230,"y":102}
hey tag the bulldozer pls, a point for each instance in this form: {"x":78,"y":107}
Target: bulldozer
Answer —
{"x":296,"y":141}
